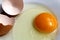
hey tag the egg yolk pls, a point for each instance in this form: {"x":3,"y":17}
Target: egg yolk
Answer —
{"x":45,"y":22}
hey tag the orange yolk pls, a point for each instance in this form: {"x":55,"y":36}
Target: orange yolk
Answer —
{"x":45,"y":22}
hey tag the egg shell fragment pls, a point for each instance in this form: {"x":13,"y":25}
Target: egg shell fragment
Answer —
{"x":6,"y":24}
{"x":12,"y":7}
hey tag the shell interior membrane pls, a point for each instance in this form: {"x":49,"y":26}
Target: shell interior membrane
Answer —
{"x":12,"y":7}
{"x":5,"y":20}
{"x":24,"y":29}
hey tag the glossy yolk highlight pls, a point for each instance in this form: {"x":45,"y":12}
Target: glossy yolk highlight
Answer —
{"x":45,"y":22}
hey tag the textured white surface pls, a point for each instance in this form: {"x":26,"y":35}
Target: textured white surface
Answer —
{"x":9,"y":36}
{"x":0,"y":1}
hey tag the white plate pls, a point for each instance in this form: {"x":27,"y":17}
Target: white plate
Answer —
{"x":54,"y":5}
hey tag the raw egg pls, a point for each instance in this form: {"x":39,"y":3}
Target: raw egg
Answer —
{"x":45,"y":22}
{"x":24,"y":28}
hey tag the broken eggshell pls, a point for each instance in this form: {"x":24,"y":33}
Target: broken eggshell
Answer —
{"x":3,"y":12}
{"x":6,"y":24}
{"x":12,"y":7}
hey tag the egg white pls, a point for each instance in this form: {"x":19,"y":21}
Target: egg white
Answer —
{"x":24,"y":29}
